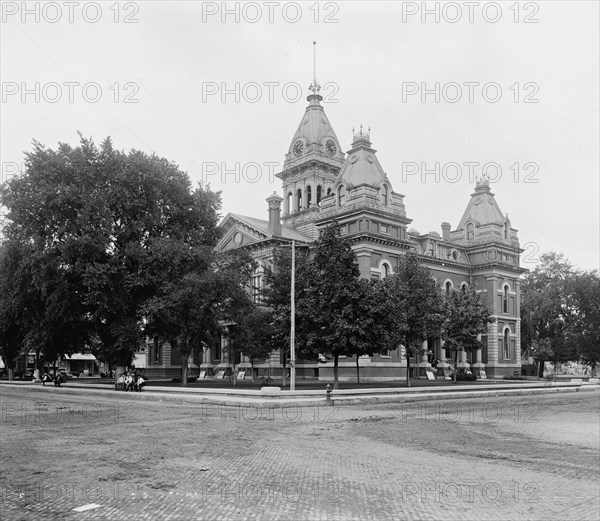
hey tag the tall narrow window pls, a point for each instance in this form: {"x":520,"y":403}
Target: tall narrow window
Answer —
{"x":341,"y":195}
{"x":470,"y":231}
{"x":290,"y":199}
{"x":299,"y":198}
{"x":505,"y":299}
{"x":319,"y":195}
{"x":507,"y":344}
{"x":384,"y":195}
{"x":308,"y":196}
{"x":448,"y":288}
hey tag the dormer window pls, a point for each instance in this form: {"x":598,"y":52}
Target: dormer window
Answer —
{"x":470,"y":231}
{"x":341,"y":195}
{"x":384,"y":195}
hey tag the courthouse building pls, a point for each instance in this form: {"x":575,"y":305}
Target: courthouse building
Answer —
{"x":322,"y":184}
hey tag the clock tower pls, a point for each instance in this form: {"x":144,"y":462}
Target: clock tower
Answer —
{"x":312,"y":163}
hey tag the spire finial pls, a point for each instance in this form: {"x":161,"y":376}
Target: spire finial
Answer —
{"x":315,"y":87}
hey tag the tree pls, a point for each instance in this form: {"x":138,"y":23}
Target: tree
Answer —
{"x":373,"y":321}
{"x":277,"y":297}
{"x":12,"y":319}
{"x":199,"y":292}
{"x":417,"y":306}
{"x":466,"y":317}
{"x":584,"y":326}
{"x":328,"y":299}
{"x":547,"y":309}
{"x":98,"y":216}
{"x":252,"y":334}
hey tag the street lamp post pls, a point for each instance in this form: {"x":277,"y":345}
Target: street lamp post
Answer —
{"x":293,"y":322}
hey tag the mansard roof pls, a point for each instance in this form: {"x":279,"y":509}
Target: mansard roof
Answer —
{"x":482,"y":208}
{"x":314,"y":131}
{"x":362,"y":166}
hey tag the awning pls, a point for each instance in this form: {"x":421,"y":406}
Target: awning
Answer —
{"x":80,"y":356}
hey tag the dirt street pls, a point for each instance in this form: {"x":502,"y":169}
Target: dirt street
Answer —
{"x":527,"y":458}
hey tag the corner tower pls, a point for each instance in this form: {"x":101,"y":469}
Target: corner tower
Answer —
{"x":312,"y":164}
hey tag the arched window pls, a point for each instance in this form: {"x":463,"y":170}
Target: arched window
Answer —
{"x":299,"y":198}
{"x":308,"y":196}
{"x":341,"y":195}
{"x":386,"y":270}
{"x":319,"y":194}
{"x":470,"y":231}
{"x":448,"y":287}
{"x":290,"y":198}
{"x":464,"y":287}
{"x":384,"y":195}
{"x":507,"y":344}
{"x":505,"y":299}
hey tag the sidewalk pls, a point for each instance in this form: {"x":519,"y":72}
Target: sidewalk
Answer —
{"x":276,"y":397}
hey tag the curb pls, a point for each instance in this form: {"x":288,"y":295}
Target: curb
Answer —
{"x":282,"y":401}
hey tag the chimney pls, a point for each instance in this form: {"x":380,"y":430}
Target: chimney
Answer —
{"x":446,"y":232}
{"x":275,"y":214}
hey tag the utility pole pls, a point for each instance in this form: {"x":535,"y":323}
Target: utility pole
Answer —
{"x":293,"y":322}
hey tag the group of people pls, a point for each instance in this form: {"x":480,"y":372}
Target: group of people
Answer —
{"x":129,"y":381}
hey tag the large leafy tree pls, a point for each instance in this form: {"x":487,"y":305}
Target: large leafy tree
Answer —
{"x":418,"y":306}
{"x":466,"y":317}
{"x":374,"y":321}
{"x":277,"y":297}
{"x":336,"y":310}
{"x":198,"y":293}
{"x":584,"y":324}
{"x":547,"y":308}
{"x":96,"y":215}
{"x":13,"y":287}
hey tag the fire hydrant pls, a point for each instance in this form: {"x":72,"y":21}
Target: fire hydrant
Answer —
{"x":328,"y":398}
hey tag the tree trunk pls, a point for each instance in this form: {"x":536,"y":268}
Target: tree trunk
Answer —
{"x":185,"y":355}
{"x":335,"y":371}
{"x":36,"y":368}
{"x":357,"y":370}
{"x":407,"y":365}
{"x":455,"y":363}
{"x":11,"y":373}
{"x":284,"y":371}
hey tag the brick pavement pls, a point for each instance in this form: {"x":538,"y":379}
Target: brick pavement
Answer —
{"x":152,"y":460}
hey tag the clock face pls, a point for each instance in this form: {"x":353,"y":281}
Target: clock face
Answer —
{"x":298,"y":148}
{"x":330,"y":147}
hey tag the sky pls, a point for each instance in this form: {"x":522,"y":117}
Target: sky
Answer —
{"x":449,"y":90}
